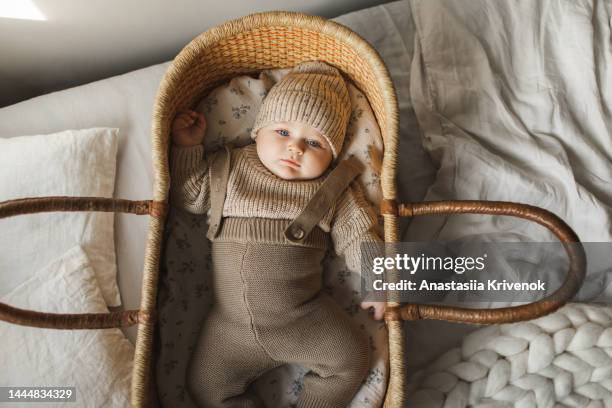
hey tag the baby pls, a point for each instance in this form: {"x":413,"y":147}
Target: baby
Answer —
{"x":274,"y":207}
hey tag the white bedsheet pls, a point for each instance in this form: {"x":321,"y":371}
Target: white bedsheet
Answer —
{"x":516,"y":85}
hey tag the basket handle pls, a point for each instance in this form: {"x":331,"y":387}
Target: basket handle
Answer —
{"x":72,"y":321}
{"x":569,"y":239}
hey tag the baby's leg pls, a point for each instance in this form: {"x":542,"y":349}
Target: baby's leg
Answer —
{"x":333,"y":348}
{"x":227,"y":358}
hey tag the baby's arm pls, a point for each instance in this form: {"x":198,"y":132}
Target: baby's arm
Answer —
{"x":189,"y":167}
{"x":355,"y":223}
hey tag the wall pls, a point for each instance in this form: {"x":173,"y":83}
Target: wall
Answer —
{"x":82,"y":41}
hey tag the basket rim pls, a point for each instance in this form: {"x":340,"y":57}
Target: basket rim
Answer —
{"x":234,"y":27}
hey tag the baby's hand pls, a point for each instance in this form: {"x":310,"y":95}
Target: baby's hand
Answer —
{"x":379,"y":308}
{"x":188,"y":128}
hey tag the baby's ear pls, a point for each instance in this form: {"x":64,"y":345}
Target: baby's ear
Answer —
{"x":254,"y":134}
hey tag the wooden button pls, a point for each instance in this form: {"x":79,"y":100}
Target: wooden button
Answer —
{"x":297,"y":232}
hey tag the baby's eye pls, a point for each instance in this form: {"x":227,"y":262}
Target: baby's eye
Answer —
{"x":313,"y":143}
{"x":282,"y":132}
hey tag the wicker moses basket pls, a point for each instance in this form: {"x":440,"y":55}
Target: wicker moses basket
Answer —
{"x":246,"y":46}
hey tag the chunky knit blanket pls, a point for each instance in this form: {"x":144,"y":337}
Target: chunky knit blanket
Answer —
{"x":563,"y":359}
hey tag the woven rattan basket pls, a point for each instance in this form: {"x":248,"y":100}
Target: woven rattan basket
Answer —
{"x":248,"y":45}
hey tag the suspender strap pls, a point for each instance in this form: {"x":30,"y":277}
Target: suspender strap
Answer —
{"x":320,"y":203}
{"x":219,"y":172}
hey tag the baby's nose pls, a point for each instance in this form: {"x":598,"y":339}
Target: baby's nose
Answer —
{"x":297,"y":147}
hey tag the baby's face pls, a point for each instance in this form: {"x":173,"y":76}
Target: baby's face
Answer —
{"x":293,"y":150}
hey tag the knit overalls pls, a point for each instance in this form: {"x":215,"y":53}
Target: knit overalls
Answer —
{"x":269,"y":309}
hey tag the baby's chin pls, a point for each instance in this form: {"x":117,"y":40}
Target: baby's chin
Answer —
{"x":289,"y":173}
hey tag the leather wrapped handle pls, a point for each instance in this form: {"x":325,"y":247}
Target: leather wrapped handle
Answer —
{"x":71,"y":321}
{"x":51,"y":204}
{"x":569,"y":239}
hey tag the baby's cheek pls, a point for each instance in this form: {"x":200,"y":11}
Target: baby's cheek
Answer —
{"x":324,"y":163}
{"x":315,"y":171}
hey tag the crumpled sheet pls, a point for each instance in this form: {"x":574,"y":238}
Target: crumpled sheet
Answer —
{"x":514,"y":101}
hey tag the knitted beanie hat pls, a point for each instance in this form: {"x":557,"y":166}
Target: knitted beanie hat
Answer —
{"x":313,"y":93}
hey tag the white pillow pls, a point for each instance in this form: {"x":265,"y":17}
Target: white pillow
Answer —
{"x":97,"y":362}
{"x":68,"y":163}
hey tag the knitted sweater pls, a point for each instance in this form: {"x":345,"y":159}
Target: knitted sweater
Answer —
{"x":254,"y":191}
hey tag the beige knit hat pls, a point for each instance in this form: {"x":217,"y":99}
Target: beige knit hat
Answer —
{"x":314,"y":93}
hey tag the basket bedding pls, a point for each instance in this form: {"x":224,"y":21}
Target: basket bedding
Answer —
{"x":230,"y":110}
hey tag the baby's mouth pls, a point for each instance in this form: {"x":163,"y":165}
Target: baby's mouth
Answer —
{"x":291,"y":163}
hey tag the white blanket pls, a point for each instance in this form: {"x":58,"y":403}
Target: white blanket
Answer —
{"x":559,"y":360}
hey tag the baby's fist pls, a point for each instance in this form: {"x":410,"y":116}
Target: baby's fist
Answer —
{"x":188,"y":128}
{"x":379,"y":308}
